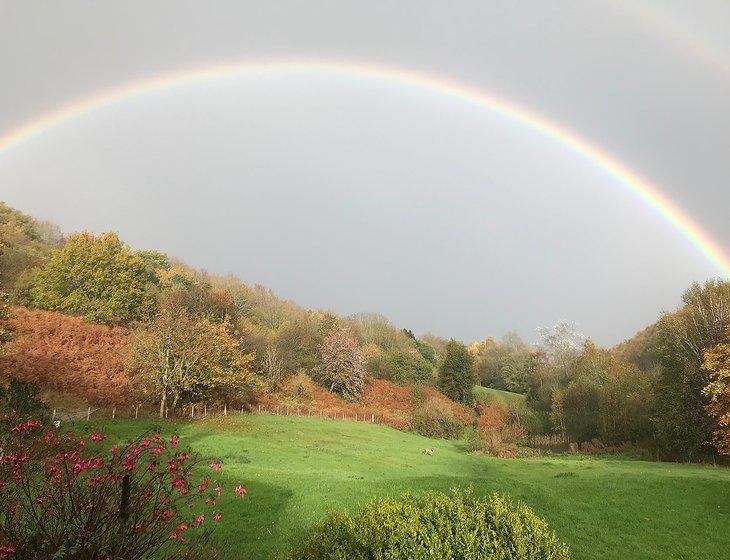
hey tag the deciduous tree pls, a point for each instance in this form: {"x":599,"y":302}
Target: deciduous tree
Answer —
{"x":179,"y":356}
{"x":95,"y":276}
{"x":717,"y":361}
{"x":341,"y":369}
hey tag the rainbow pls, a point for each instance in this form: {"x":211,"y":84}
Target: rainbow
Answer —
{"x":644,"y":190}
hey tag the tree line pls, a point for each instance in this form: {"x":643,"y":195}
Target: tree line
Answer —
{"x":197,"y":336}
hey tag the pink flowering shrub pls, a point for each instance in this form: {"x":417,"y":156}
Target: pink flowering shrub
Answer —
{"x":68,"y":497}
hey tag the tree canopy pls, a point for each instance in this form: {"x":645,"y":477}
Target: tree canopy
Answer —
{"x":98,"y":277}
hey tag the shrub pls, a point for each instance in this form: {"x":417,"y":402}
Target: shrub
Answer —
{"x":407,"y":367}
{"x":20,"y":399}
{"x":71,"y":498}
{"x":436,"y":419}
{"x":434,"y":526}
{"x":500,"y":442}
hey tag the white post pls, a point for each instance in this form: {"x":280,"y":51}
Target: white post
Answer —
{"x":259,"y":409}
{"x":136,"y":412}
{"x":114,"y":412}
{"x":241,"y":410}
{"x":88,"y":414}
{"x":192,"y":411}
{"x":372,"y":418}
{"x":225,"y":410}
{"x":205,"y":409}
{"x":54,"y":414}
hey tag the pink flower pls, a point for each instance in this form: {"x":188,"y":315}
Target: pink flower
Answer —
{"x":181,"y":485}
{"x":172,"y":536}
{"x":167,"y":514}
{"x":174,"y":440}
{"x":216,"y":466}
{"x":218,"y":490}
{"x":25,"y":426}
{"x":182,"y":527}
{"x":97,"y":437}
{"x":203,"y":486}
{"x":241,"y":490}
{"x":200,"y":520}
{"x":216,"y":516}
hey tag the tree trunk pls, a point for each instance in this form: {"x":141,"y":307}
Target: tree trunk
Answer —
{"x":163,"y":402}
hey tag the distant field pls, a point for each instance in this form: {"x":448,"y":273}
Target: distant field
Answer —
{"x":504,"y":396}
{"x":296,"y":468}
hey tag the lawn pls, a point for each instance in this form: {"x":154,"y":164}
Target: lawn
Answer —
{"x":296,"y":468}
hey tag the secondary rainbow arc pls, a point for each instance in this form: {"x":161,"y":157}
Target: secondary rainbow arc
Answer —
{"x":642,"y":188}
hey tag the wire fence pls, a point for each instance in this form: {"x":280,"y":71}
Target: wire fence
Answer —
{"x":200,"y":411}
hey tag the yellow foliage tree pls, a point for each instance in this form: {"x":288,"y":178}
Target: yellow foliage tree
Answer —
{"x":717,"y":362}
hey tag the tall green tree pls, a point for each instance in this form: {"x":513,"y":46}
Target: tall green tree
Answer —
{"x":455,"y":374}
{"x":682,"y":424}
{"x":98,"y":277}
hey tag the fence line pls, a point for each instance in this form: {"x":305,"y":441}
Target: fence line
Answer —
{"x":198,"y":411}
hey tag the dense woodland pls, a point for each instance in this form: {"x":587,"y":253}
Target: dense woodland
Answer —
{"x":87,"y":315}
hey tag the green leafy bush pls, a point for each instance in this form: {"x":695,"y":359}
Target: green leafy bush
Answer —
{"x":435,"y":419}
{"x":434,"y":526}
{"x":21,"y":399}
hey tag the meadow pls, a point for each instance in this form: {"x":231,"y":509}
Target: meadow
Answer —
{"x":296,"y":468}
{"x":497,"y":395}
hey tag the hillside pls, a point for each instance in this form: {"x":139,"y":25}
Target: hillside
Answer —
{"x":67,"y":355}
{"x":502,"y":397}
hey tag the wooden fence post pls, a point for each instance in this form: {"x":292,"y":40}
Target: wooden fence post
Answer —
{"x":225,"y":410}
{"x":54,"y":414}
{"x":205,"y":409}
{"x":192,"y":411}
{"x":372,"y":418}
{"x":259,"y":409}
{"x":88,"y":414}
{"x":114,"y":412}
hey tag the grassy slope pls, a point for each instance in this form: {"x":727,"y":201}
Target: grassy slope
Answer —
{"x":504,"y":396}
{"x":296,"y":468}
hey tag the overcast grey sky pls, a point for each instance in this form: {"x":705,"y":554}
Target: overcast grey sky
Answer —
{"x":364,"y":196}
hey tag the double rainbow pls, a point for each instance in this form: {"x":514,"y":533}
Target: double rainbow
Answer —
{"x":644,"y":190}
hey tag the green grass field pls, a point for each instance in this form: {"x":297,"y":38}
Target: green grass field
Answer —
{"x":497,"y":394}
{"x":296,"y":468}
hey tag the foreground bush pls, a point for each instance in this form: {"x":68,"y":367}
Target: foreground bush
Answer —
{"x":434,"y":526}
{"x":67,"y":497}
{"x":436,"y":419}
